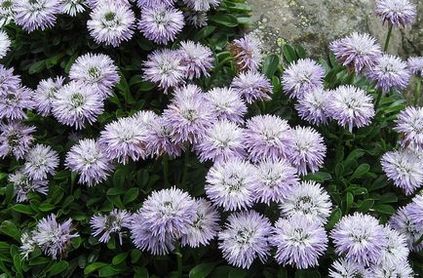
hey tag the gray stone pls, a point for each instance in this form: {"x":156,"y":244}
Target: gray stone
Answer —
{"x":315,"y":23}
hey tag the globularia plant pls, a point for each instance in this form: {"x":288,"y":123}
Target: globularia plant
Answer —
{"x":155,"y":138}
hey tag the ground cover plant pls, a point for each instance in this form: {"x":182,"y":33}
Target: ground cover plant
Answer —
{"x":155,"y":138}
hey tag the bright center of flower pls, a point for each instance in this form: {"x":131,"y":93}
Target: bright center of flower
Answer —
{"x":77,"y":100}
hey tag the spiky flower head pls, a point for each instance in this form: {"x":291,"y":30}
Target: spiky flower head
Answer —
{"x":396,"y":250}
{"x":358,"y":51}
{"x":41,"y":161}
{"x":230,"y":184}
{"x":28,"y":245}
{"x":152,"y":3}
{"x":360,"y":238}
{"x":404,"y":168}
{"x":8,"y":81}
{"x":312,"y":107}
{"x":111,"y":23}
{"x":308,"y":151}
{"x":45,"y":94}
{"x":202,"y":5}
{"x":111,"y":223}
{"x":189,"y":115}
{"x":164,"y":217}
{"x":98,"y":70}
{"x":395,"y":270}
{"x":247,"y":52}
{"x":53,"y":237}
{"x":401,"y":221}
{"x":245,"y":238}
{"x":6,"y":12}
{"x":275,"y":180}
{"x":124,"y":139}
{"x":36,"y":14}
{"x":196,"y":19}
{"x":15,"y":139}
{"x":14,"y":102}
{"x":73,"y":7}
{"x":197,"y":58}
{"x":221,"y":142}
{"x":416,"y":211}
{"x":4,"y":44}
{"x":77,"y":104}
{"x":227,"y":104}
{"x":309,"y":200}
{"x":204,"y":227}
{"x":415,"y":66}
{"x":252,"y":86}
{"x":302,"y":76}
{"x":267,"y":137}
{"x":160,"y":23}
{"x":399,"y":13}
{"x":343,"y":268}
{"x":390,"y":72}
{"x":23,"y":185}
{"x":351,"y":107}
{"x":300,"y":242}
{"x":164,"y":67}
{"x":410,"y":124}
{"x":89,"y":161}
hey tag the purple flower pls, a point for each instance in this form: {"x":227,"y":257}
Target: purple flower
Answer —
{"x":410,"y":123}
{"x":45,"y":94}
{"x":124,"y":139}
{"x":267,"y":137}
{"x":221,"y":142}
{"x":416,"y":211}
{"x":415,"y":66}
{"x":159,"y":140}
{"x":36,"y":14}
{"x":94,"y":3}
{"x":164,"y":217}
{"x":197,"y":58}
{"x":299,"y":241}
{"x":312,"y":107}
{"x":160,"y":23}
{"x":28,"y":245}
{"x":164,"y":67}
{"x":275,"y":180}
{"x":14,"y":102}
{"x":343,"y":268}
{"x":15,"y":139}
{"x":308,"y":151}
{"x":52,"y":237}
{"x":8,"y":81}
{"x":77,"y":103}
{"x":309,"y":200}
{"x":401,"y":221}
{"x":6,"y":12}
{"x":404,"y":168}
{"x":303,"y":76}
{"x":98,"y":70}
{"x":111,"y":23}
{"x":245,"y":238}
{"x":227,"y":104}
{"x":402,"y":269}
{"x":396,"y":250}
{"x":189,"y":115}
{"x":41,"y":161}
{"x":111,"y":223}
{"x":73,"y":7}
{"x":360,"y":238}
{"x":351,"y":107}
{"x":196,"y":19}
{"x":231,"y":184}
{"x":204,"y":227}
{"x":357,"y":51}
{"x":152,"y":3}
{"x":252,"y":86}
{"x":202,"y":5}
{"x":4,"y":44}
{"x":23,"y":185}
{"x":247,"y":52}
{"x":89,"y":161}
{"x":399,"y":13}
{"x":390,"y":72}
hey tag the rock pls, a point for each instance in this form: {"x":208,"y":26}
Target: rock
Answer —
{"x":315,"y":23}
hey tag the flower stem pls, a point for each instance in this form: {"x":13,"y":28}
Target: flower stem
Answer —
{"x":388,"y":37}
{"x":185,"y":171}
{"x":178,"y":254}
{"x":378,"y":99}
{"x":417,"y":93}
{"x":166,"y":170}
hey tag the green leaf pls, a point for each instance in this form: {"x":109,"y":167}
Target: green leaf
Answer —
{"x":130,"y":195}
{"x":23,"y":209}
{"x":141,"y":272}
{"x":44,"y":207}
{"x":334,"y":218}
{"x":349,"y":200}
{"x":37,"y":67}
{"x":58,"y":267}
{"x":289,"y":53}
{"x":361,"y":170}
{"x":384,"y":209}
{"x":93,"y":267}
{"x":107,"y":271}
{"x":366,"y":205}
{"x":225,"y":20}
{"x":119,"y":258}
{"x":237,"y":273}
{"x":270,"y":65}
{"x":202,"y":270}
